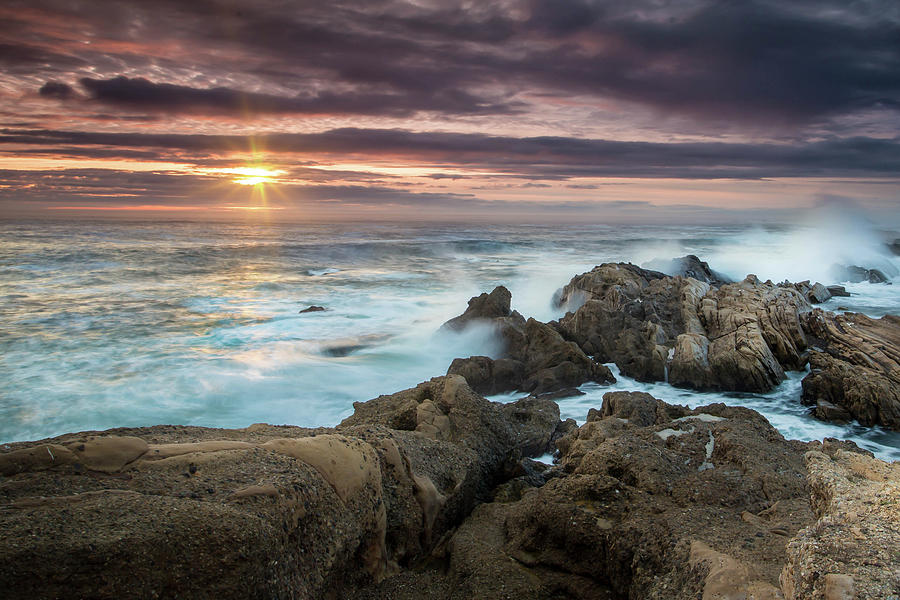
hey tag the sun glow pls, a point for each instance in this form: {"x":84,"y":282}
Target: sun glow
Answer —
{"x":253,"y":180}
{"x":249,"y":175}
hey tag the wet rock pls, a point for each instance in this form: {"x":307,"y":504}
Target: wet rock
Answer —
{"x":689,"y":266}
{"x":483,"y":308}
{"x":627,"y":316}
{"x":738,"y":337}
{"x":552,"y":363}
{"x":559,"y":394}
{"x":831,"y":412}
{"x":536,"y":421}
{"x":312,"y":309}
{"x":857,"y":274}
{"x":488,"y":376}
{"x":838,"y":291}
{"x":859,"y":368}
{"x":535,"y":358}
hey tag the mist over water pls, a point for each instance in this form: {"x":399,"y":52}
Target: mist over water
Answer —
{"x":128,"y":324}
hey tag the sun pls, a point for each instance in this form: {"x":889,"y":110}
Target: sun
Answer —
{"x":255,"y":175}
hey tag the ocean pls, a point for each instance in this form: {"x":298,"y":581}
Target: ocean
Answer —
{"x":108,"y":324}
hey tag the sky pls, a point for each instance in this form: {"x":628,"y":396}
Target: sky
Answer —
{"x":650,"y":111}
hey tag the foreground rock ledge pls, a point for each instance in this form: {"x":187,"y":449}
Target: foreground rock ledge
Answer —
{"x":424,"y":494}
{"x":262,"y":512}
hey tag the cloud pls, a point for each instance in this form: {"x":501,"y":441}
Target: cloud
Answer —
{"x":742,"y":64}
{"x":146,"y":95}
{"x":542,"y":157}
{"x":55,"y":89}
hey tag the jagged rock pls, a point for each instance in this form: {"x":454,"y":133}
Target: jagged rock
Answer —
{"x":535,"y":356}
{"x":738,"y":337}
{"x":559,"y":394}
{"x":852,"y":548}
{"x":636,"y":514}
{"x":627,"y":315}
{"x":483,"y":308}
{"x":752,"y":332}
{"x":689,"y":266}
{"x":638,"y":408}
{"x":552,"y":363}
{"x":537,"y":420}
{"x":259,"y":512}
{"x":818,"y":294}
{"x":838,"y":291}
{"x":859,"y":369}
{"x":876,"y":276}
{"x":831,"y":412}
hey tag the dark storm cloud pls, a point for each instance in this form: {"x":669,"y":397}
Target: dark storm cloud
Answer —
{"x":743,"y":63}
{"x":146,"y":95}
{"x":55,"y":89}
{"x":749,"y":61}
{"x":532,"y":157}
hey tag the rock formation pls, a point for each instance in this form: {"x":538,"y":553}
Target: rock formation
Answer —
{"x":535,"y":358}
{"x":740,"y":336}
{"x":423,"y":494}
{"x":855,"y":366}
{"x":852,"y":549}
{"x":857,"y":274}
{"x":689,"y":266}
{"x":261,"y":512}
{"x":656,"y":501}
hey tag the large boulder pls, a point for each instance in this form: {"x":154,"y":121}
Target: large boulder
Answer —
{"x":752,"y":330}
{"x":489,"y":376}
{"x":261,"y":512}
{"x":857,"y":366}
{"x":629,"y":316}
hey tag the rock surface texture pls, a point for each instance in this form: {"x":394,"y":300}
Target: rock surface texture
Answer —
{"x":853,"y":549}
{"x":262,"y":512}
{"x":650,"y":500}
{"x":423,"y":494}
{"x":855,"y":366}
{"x":737,"y":337}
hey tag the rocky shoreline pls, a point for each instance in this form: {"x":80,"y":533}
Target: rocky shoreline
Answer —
{"x":432,"y":492}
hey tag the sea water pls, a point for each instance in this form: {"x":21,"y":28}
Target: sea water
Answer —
{"x":107,"y":324}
